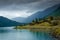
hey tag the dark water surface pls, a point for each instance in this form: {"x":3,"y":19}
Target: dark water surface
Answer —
{"x":9,"y":33}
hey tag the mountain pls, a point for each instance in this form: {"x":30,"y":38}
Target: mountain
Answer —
{"x":39,"y":14}
{"x":19,"y":19}
{"x":5,"y":22}
{"x":55,"y":13}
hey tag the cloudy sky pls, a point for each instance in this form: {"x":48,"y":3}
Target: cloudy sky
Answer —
{"x":24,"y":8}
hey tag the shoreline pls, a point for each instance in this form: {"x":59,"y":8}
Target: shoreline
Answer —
{"x":54,"y":31}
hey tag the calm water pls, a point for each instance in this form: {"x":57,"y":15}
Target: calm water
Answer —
{"x":13,"y":34}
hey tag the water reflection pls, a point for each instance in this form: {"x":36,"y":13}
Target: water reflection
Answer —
{"x":41,"y":35}
{"x":22,"y":34}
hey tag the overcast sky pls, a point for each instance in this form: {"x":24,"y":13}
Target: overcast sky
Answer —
{"x":24,"y":8}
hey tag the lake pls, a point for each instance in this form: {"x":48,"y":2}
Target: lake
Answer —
{"x":8,"y":33}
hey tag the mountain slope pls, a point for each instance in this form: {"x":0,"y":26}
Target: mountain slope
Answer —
{"x":19,"y":19}
{"x":5,"y":22}
{"x":43,"y":13}
{"x":40,"y":14}
{"x":56,"y":12}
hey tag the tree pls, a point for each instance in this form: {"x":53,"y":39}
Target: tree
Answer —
{"x":33,"y":21}
{"x":50,"y":17}
{"x":54,"y":22}
{"x":36,"y":20}
{"x":39,"y":19}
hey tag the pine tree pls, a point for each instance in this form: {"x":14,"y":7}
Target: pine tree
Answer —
{"x":33,"y":21}
{"x":36,"y":20}
{"x":39,"y":19}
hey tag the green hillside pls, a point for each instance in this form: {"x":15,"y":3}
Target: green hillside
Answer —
{"x":56,"y":12}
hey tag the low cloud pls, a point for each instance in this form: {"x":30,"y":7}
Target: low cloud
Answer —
{"x":22,"y":5}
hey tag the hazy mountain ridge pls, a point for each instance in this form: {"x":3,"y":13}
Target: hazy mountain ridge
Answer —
{"x":19,"y":19}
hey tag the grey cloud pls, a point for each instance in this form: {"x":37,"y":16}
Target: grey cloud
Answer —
{"x":30,"y":5}
{"x":27,"y":6}
{"x":15,"y":4}
{"x":16,"y":1}
{"x":40,"y":6}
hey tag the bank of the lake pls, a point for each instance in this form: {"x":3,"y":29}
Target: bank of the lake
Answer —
{"x":50,"y":25}
{"x":54,"y":31}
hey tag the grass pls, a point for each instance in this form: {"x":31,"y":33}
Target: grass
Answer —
{"x":49,"y":25}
